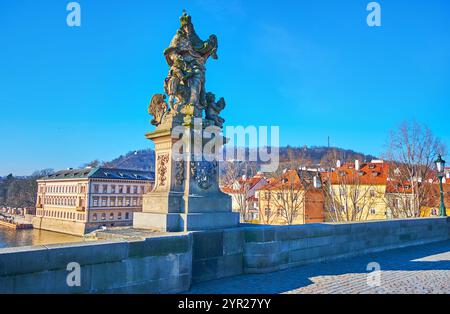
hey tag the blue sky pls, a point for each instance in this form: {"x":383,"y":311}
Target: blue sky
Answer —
{"x":312,"y":67}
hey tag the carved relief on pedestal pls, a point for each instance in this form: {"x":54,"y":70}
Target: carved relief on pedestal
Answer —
{"x":179,"y":172}
{"x":204,"y":173}
{"x":163,"y":161}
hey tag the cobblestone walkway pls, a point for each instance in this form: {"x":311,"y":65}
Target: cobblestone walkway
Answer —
{"x":414,"y":270}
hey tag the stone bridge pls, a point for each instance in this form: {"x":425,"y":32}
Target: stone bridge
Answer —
{"x":413,"y":256}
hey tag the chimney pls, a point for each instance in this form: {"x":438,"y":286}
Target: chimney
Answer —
{"x":316,"y":182}
{"x":338,"y":164}
{"x":357,"y":165}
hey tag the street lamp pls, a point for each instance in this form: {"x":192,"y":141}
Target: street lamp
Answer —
{"x":440,"y":166}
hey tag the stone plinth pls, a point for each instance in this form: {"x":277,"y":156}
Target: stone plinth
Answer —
{"x":186,"y":195}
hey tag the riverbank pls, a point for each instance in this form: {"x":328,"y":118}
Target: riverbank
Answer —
{"x":14,"y":238}
{"x":15,"y":225}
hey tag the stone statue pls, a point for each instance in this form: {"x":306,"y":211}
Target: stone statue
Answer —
{"x":186,"y":57}
{"x":185,"y":82}
{"x":213,"y":109}
{"x":157,"y":108}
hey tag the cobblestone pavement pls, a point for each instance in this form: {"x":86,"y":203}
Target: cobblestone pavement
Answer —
{"x":413,"y":270}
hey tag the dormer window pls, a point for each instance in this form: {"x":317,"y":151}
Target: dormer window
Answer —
{"x":375,"y":174}
{"x":372,"y":166}
{"x":361,"y":173}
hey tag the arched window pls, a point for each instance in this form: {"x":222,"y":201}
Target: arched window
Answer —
{"x":119,"y":216}
{"x":127,"y":216}
{"x":111,"y":216}
{"x":103,"y":216}
{"x":94,"y":217}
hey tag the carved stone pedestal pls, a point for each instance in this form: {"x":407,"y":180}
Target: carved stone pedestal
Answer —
{"x":186,"y":196}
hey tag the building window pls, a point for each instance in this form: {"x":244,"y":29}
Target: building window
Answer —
{"x":119,"y":216}
{"x":120,"y":201}
{"x":127,"y":216}
{"x":142,"y":189}
{"x":113,"y":189}
{"x":279,"y":196}
{"x":135,"y":190}
{"x":95,"y":188}
{"x":134,"y":201}
{"x":103,"y":216}
{"x":267,"y":195}
{"x":128,"y":189}
{"x":112,"y":201}
{"x":111,"y":216}
{"x":105,"y":189}
{"x":267,"y":211}
{"x":372,"y":193}
{"x":279,"y":211}
{"x":104,"y":199}
{"x":120,"y":189}
{"x":95,"y":202}
{"x":127,"y":201}
{"x":373,"y":211}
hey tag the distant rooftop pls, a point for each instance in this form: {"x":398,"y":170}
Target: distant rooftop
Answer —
{"x":101,"y":173}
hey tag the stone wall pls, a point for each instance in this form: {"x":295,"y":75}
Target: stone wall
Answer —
{"x":217,"y":254}
{"x":170,"y":264}
{"x":270,"y":249}
{"x":153,"y":265}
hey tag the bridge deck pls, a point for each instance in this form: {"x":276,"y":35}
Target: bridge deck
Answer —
{"x":419,"y":269}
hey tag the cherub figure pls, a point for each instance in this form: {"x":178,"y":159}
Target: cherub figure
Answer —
{"x":213,"y":109}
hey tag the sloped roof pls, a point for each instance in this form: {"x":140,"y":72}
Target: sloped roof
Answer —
{"x":372,"y":173}
{"x":101,"y":173}
{"x":291,"y":178}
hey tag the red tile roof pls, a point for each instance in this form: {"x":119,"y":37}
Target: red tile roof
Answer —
{"x":368,"y":174}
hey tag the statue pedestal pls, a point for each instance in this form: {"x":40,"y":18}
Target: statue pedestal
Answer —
{"x":186,"y":195}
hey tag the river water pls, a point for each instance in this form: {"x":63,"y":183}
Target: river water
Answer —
{"x":13,"y":238}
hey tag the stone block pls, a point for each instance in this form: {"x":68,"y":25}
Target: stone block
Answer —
{"x":262,"y":248}
{"x":172,"y":222}
{"x":210,"y":220}
{"x":86,"y":253}
{"x":298,"y":232}
{"x":207,"y":244}
{"x":185,"y":263}
{"x":298,"y":244}
{"x":320,"y":241}
{"x":264,"y":261}
{"x":168,"y":266}
{"x":108,"y":276}
{"x":175,"y":284}
{"x":22,"y":260}
{"x":230,"y":265}
{"x":163,"y":245}
{"x":206,"y":269}
{"x":260,"y":234}
{"x":142,"y":269}
{"x":233,"y":241}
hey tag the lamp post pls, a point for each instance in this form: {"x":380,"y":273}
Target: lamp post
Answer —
{"x":440,"y":166}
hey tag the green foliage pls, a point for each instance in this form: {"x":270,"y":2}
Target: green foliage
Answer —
{"x":20,"y":191}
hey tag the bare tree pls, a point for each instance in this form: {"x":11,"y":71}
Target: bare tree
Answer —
{"x":411,"y":151}
{"x":347,"y":199}
{"x":234,"y":177}
{"x":288,"y":195}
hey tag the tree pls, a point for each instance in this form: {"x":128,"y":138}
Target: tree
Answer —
{"x":411,"y":150}
{"x":234,"y":177}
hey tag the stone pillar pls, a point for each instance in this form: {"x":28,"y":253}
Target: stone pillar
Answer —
{"x":186,"y":195}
